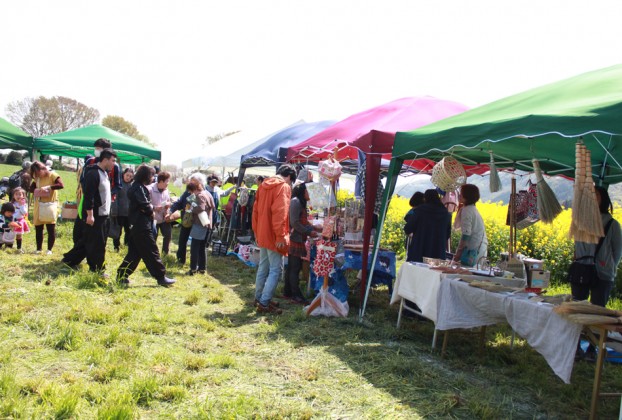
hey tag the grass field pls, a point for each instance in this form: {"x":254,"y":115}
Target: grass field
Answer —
{"x":76,"y":347}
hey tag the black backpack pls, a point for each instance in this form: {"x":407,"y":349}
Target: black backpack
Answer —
{"x":15,"y":180}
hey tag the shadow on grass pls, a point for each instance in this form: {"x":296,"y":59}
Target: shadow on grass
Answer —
{"x":498,"y":382}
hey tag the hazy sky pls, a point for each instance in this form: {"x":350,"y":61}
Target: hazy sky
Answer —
{"x":184,"y":70}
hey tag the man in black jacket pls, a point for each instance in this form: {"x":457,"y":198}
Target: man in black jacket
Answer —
{"x":142,"y":244}
{"x":96,"y":209}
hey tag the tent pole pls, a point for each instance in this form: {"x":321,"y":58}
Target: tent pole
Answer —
{"x":394,"y":168}
{"x":372,"y":177}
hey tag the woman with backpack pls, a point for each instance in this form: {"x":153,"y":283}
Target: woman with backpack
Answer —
{"x":606,"y":259}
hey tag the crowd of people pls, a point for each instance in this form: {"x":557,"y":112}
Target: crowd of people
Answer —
{"x":137,"y":206}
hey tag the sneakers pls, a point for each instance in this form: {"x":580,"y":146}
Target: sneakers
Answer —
{"x":166,"y":282}
{"x":38,"y":251}
{"x":268,"y":309}
{"x":48,"y":252}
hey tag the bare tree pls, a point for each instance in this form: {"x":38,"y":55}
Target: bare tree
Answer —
{"x":42,"y":116}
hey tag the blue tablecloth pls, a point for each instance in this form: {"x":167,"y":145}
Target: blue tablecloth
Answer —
{"x":384,"y":272}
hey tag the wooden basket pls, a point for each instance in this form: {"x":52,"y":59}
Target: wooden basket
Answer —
{"x":448,"y":174}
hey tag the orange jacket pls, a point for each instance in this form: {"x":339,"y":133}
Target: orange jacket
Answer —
{"x":271,"y":214}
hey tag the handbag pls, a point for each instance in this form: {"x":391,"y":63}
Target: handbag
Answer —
{"x":114,"y":228}
{"x":329,"y":169}
{"x":48,"y":212}
{"x":325,"y":258}
{"x":318,"y":196}
{"x":526,"y":207}
{"x":586,"y":274}
{"x":8,"y":237}
{"x":186,"y":219}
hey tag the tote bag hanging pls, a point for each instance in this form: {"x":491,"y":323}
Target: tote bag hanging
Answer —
{"x":48,"y":212}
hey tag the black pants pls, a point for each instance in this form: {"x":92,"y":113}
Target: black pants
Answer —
{"x":142,"y":246}
{"x":291,"y":288}
{"x":167,"y":233}
{"x":198,"y":255}
{"x":184,"y":234}
{"x":598,"y":292}
{"x":78,"y":252}
{"x":95,"y":237}
{"x":124,"y":222}
{"x":51,"y":228}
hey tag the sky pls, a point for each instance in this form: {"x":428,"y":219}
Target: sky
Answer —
{"x":185,"y":70}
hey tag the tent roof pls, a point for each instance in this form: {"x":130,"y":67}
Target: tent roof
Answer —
{"x":12,"y":137}
{"x":225,"y":154}
{"x":542,"y":123}
{"x":266,"y":151}
{"x":80,"y":141}
{"x":373,"y":130}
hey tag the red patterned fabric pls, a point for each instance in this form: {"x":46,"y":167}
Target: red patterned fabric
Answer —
{"x":325,"y":258}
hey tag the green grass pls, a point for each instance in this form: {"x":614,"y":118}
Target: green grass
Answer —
{"x":82,"y":348}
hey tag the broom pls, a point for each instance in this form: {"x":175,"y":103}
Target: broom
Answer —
{"x":585,"y":307}
{"x":495,"y":181}
{"x":588,"y":207}
{"x":588,"y":319}
{"x":548,"y":205}
{"x":579,"y":176}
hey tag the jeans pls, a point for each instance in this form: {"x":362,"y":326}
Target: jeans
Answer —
{"x":268,"y":273}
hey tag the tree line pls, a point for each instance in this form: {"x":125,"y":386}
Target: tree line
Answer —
{"x":43,"y":116}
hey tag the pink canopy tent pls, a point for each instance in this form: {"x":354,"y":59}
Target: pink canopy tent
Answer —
{"x":373,"y":132}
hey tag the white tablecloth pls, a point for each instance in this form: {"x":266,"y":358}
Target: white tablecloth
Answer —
{"x":419,"y":285}
{"x":452,"y":304}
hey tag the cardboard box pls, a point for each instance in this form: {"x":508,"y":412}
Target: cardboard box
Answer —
{"x":539,"y":279}
{"x":69,"y":211}
{"x":533,"y":264}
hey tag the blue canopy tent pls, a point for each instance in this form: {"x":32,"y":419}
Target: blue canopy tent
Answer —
{"x":273,"y":150}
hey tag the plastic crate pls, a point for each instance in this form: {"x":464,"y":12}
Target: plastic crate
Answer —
{"x":219,"y":248}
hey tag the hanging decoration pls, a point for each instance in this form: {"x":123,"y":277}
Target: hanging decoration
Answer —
{"x":586,"y":225}
{"x":495,"y":181}
{"x":548,"y":204}
{"x":448,"y":174}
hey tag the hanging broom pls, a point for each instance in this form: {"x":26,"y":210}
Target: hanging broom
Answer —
{"x":588,"y":207}
{"x":495,"y":181}
{"x":548,"y":205}
{"x":575,"y":232}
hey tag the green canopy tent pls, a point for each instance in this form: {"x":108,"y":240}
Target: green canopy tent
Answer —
{"x":12,"y":137}
{"x":542,"y":123}
{"x":78,"y":142}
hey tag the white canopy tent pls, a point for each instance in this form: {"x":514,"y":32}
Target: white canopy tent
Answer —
{"x":224,"y":156}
